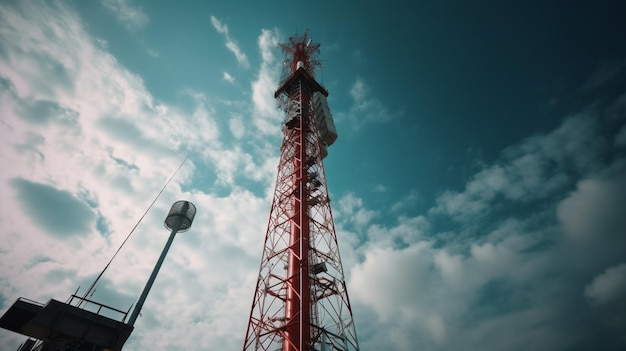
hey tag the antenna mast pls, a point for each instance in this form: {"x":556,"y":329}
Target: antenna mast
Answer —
{"x":301,"y":302}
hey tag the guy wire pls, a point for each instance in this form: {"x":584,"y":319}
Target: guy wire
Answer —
{"x":91,"y":288}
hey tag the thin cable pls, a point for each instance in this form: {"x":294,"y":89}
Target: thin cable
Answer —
{"x":131,"y":232}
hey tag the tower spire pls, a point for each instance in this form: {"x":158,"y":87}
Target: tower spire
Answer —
{"x":300,"y":301}
{"x":301,"y":49}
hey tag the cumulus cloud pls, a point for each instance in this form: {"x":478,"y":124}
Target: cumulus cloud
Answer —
{"x":550,"y":205}
{"x":83,"y":158}
{"x":608,"y":286}
{"x":533,"y":169}
{"x":231,"y":44}
{"x":351,"y":208}
{"x":595,"y":209}
{"x":396,"y":284}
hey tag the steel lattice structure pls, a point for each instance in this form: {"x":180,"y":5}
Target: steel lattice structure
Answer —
{"x":301,"y":302}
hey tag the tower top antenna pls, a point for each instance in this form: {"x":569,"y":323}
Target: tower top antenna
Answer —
{"x":301,"y":49}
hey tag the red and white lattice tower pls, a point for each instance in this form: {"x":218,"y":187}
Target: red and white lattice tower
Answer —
{"x":300,"y":302}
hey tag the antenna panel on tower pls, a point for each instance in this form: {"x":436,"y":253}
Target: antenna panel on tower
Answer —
{"x":324,"y":119}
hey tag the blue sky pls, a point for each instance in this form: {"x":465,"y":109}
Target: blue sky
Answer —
{"x":477,"y":184}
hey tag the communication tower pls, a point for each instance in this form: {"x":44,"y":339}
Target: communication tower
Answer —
{"x":301,"y":302}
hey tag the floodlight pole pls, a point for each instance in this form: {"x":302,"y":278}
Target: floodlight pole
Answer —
{"x":179,"y":219}
{"x":155,"y":271}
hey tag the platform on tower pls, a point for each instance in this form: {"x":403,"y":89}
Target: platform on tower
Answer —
{"x":64,"y":325}
{"x":301,"y":73}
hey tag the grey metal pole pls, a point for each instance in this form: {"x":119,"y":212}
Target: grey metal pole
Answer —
{"x":155,"y":271}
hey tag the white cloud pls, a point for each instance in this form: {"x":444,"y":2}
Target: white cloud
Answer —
{"x":230,"y":43}
{"x":401,"y":297}
{"x":608,"y":286}
{"x":451,"y":267}
{"x":267,"y":117}
{"x":237,"y":127}
{"x":407,"y":231}
{"x":131,"y":17}
{"x":365,"y":108}
{"x":352,"y":211}
{"x":358,"y":94}
{"x":484,"y":261}
{"x":241,"y":57}
{"x":99,"y":140}
{"x":221,"y":28}
{"x":595,"y":210}
{"x":536,"y":168}
{"x":227,"y":77}
{"x":409,"y":199}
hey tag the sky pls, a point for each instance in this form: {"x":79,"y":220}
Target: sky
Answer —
{"x":478,"y":182}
